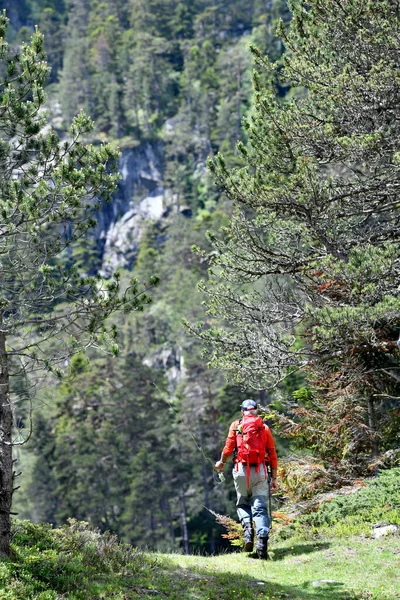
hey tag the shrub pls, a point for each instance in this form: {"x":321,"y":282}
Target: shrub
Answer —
{"x":74,"y":559}
{"x":377,"y":502}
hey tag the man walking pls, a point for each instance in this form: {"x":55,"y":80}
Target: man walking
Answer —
{"x":254,"y":447}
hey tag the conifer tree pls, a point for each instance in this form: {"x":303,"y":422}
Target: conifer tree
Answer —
{"x":48,"y":193}
{"x":75,"y":87}
{"x":307,"y":273}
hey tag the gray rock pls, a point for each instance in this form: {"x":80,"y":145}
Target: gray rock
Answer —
{"x":141,"y":175}
{"x":123,"y":237}
{"x":322,"y":582}
{"x":170,"y":359}
{"x":152,"y":207}
{"x":140,"y":196}
{"x":384,"y":530}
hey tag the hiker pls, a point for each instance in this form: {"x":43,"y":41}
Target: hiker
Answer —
{"x":254,"y":447}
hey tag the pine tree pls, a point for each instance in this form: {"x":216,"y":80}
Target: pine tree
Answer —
{"x":51,"y":27}
{"x":306,"y":275}
{"x":76,"y":91}
{"x":49,"y":191}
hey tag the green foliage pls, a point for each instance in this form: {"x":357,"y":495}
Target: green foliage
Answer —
{"x":74,"y":560}
{"x":113,"y":446}
{"x":372,"y":502}
{"x":49,"y":311}
{"x":77,"y":562}
{"x":311,"y":248}
{"x":49,"y":194}
{"x":117,"y":451}
{"x":177,"y":74}
{"x":140,"y":69}
{"x":377,"y":502}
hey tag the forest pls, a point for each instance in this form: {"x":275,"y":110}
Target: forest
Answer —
{"x":239,"y":239}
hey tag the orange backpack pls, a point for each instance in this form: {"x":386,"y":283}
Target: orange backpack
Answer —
{"x":251,"y":440}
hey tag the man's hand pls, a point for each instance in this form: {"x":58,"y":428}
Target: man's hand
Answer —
{"x":219,"y":465}
{"x":274,"y":484}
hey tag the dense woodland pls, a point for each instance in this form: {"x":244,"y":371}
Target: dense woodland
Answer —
{"x":127,"y":442}
{"x":117,"y":444}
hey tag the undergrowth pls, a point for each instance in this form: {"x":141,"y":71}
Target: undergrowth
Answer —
{"x":73,"y":560}
{"x":377,"y":503}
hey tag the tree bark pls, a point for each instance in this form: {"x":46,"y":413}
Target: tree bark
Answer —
{"x":167,"y":521}
{"x":184,"y":528}
{"x":204,"y":473}
{"x":6,"y":464}
{"x":372,"y":426}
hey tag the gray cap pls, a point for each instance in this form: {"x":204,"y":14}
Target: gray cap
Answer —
{"x":249,"y":404}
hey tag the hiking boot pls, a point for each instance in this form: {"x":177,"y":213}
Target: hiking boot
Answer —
{"x":262,"y":547}
{"x":248,"y":538}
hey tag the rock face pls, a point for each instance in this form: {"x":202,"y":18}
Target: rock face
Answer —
{"x":140,"y":197}
{"x":123,"y":236}
{"x":170,"y":359}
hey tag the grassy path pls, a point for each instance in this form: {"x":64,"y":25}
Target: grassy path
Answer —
{"x":353,"y":569}
{"x":77,"y":563}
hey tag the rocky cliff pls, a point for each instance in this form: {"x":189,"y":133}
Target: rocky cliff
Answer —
{"x":140,"y":197}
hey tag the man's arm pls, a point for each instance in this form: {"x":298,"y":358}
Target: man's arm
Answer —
{"x":274,"y":480}
{"x":230,"y":445}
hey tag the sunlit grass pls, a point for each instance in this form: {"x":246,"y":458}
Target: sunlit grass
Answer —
{"x":329,"y":555}
{"x":75,"y":563}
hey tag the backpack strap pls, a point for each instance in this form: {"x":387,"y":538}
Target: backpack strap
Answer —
{"x":248,"y":471}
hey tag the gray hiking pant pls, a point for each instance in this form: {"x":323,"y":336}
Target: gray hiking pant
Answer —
{"x":252,"y":504}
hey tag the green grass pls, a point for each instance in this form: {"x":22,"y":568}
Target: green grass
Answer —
{"x":320,"y":559}
{"x":377,"y":503}
{"x":359,"y":568}
{"x":78,"y":564}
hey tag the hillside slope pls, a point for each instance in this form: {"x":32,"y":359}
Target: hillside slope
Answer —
{"x":76,"y":563}
{"x":315,"y":562}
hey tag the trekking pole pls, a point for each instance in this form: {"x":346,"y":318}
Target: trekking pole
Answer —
{"x":270,"y":495}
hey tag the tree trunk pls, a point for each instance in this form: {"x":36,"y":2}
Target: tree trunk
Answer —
{"x":185,"y":534}
{"x":167,"y":521}
{"x":6,"y":464}
{"x":204,"y":472}
{"x":238,"y":105}
{"x":372,"y":427}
